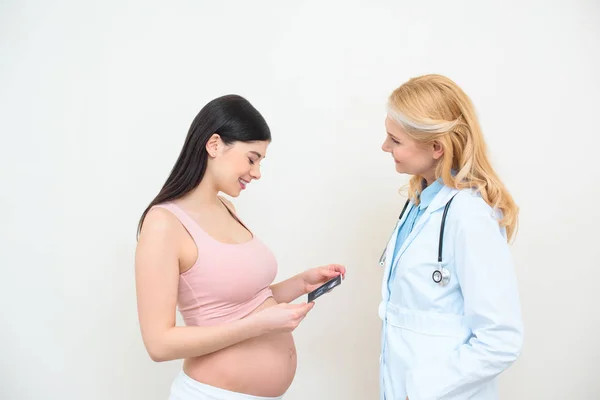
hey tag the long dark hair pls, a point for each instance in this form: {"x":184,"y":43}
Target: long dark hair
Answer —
{"x":230,"y":116}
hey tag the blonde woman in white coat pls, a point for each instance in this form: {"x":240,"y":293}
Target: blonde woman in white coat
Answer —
{"x":450,"y":306}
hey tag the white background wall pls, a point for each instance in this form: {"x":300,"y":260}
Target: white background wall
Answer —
{"x":96,"y":99}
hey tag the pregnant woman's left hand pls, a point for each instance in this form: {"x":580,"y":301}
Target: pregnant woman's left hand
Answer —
{"x":315,"y":277}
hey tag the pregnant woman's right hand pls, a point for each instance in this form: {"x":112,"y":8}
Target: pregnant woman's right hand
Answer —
{"x":283,"y":317}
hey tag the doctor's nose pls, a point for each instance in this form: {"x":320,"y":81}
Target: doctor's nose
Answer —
{"x":384,"y":147}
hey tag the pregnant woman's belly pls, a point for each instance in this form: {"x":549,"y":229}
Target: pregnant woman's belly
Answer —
{"x":263,"y":366}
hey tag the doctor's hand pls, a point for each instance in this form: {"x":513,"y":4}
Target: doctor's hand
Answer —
{"x":315,"y":277}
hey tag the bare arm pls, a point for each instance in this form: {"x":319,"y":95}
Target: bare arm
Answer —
{"x":290,"y":289}
{"x":157,"y":278}
{"x":306,"y":281}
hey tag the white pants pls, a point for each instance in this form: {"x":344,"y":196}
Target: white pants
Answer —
{"x":186,"y":388}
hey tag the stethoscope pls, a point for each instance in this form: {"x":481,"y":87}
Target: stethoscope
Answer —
{"x":441,"y":275}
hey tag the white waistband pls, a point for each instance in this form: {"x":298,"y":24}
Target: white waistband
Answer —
{"x":186,"y":388}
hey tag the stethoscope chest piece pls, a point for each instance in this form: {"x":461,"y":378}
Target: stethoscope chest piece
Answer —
{"x":441,"y":276}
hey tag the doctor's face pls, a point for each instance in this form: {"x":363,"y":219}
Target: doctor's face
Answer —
{"x":410,"y":156}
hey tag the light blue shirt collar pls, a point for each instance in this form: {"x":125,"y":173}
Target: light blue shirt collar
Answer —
{"x":428,"y":194}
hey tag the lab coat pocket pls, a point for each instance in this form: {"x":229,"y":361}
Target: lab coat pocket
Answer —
{"x":420,"y":337}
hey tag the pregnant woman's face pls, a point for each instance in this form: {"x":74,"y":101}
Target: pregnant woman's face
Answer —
{"x":234,"y":166}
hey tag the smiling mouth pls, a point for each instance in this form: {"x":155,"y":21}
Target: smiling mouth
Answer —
{"x":243,"y":183}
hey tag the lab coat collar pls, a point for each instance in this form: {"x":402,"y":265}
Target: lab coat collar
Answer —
{"x":439,"y":201}
{"x":429,"y":193}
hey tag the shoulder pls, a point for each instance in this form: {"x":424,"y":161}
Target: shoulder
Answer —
{"x":470,"y":211}
{"x":468,"y":205}
{"x":160,"y":222}
{"x":228,"y":203}
{"x":468,"y":202}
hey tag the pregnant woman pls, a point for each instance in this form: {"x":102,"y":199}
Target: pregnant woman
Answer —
{"x":194,"y":253}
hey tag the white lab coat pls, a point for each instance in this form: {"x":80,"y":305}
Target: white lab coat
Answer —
{"x":449,"y":342}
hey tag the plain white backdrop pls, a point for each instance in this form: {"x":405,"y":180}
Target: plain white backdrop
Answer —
{"x":96,"y":99}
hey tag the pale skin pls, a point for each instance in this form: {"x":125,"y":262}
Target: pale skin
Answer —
{"x":165,"y":250}
{"x":410,"y":156}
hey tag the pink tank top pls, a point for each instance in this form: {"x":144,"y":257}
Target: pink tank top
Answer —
{"x":227,"y":281}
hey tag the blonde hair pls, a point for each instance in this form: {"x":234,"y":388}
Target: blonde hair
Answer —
{"x":432,"y":108}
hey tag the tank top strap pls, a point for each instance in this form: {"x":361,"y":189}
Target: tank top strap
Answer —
{"x":188,"y":223}
{"x":235,"y":216}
